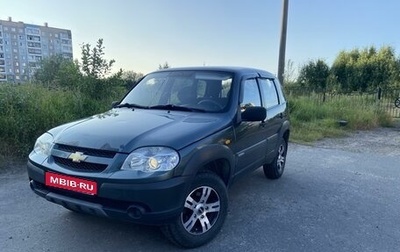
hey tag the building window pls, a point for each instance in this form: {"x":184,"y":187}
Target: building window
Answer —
{"x":20,"y":31}
{"x":34,"y":51}
{"x":6,"y":28}
{"x":15,"y":50}
{"x":33,"y":38}
{"x":34,"y":44}
{"x":13,"y":29}
{"x":31,"y":30}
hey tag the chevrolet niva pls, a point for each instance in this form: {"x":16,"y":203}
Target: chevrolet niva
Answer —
{"x":167,"y":152}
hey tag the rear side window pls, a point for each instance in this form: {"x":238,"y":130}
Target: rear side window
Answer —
{"x":269,"y":93}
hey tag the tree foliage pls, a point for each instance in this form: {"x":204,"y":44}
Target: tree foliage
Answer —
{"x":366,"y":69}
{"x":58,"y":71}
{"x":314,"y":74}
{"x":164,"y":66}
{"x":355,"y":70}
{"x":131,"y":78}
{"x":93,"y":62}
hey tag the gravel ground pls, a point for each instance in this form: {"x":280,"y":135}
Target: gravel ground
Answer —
{"x":380,"y":140}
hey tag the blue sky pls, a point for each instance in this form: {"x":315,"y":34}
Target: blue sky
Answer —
{"x":141,"y":34}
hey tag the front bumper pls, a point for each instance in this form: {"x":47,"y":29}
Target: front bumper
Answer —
{"x":152,"y":203}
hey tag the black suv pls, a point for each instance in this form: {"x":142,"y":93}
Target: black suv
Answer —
{"x":166,"y":154}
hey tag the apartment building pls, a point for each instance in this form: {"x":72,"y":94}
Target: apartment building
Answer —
{"x":23,"y":46}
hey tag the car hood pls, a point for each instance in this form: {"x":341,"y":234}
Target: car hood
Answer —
{"x":124,"y":129}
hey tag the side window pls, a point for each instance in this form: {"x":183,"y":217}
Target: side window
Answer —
{"x":251,"y":94}
{"x":269,"y":93}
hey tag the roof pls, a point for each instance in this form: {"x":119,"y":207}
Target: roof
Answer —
{"x":234,"y":69}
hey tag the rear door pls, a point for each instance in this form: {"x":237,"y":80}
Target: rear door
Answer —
{"x":275,"y":114}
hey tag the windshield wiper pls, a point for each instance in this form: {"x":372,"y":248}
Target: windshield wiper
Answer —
{"x":176,"y":107}
{"x":130,"y":105}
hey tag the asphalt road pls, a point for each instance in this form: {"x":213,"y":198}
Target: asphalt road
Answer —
{"x":327,"y":200}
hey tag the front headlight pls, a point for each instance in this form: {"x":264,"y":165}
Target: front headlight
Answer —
{"x":151,"y":159}
{"x":43,"y":144}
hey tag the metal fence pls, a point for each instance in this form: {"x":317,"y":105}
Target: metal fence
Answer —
{"x":385,"y":99}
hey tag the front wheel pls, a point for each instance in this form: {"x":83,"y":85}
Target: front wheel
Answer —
{"x":275,"y":169}
{"x":203,"y":214}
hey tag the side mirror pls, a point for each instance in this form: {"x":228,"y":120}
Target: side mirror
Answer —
{"x":254,"y":114}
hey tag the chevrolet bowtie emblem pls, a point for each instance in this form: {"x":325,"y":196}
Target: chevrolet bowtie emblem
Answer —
{"x":77,"y":157}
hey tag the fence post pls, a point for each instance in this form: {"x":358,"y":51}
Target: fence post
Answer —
{"x":379,"y":93}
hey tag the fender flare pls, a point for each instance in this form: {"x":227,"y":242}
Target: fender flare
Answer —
{"x":206,"y":154}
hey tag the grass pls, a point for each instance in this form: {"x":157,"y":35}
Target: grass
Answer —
{"x":313,"y":119}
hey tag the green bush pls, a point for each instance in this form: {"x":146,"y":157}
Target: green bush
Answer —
{"x":31,"y":109}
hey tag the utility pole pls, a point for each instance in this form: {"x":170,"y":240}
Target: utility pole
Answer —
{"x":282,"y":46}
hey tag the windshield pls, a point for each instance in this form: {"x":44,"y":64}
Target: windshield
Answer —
{"x":175,"y":90}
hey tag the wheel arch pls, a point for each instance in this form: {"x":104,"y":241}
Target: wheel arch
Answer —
{"x":285,"y":131}
{"x":216,"y":158}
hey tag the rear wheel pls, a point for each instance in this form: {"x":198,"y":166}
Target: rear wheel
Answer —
{"x":275,"y":169}
{"x":203,"y":214}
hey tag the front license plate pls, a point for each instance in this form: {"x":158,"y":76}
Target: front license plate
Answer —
{"x":71,"y":183}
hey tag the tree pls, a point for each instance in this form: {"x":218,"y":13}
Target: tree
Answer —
{"x":131,"y":78}
{"x":93,"y":62}
{"x":314,"y":74}
{"x":58,"y":71}
{"x":165,"y":66}
{"x":366,"y":69}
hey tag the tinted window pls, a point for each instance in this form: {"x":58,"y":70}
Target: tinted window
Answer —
{"x":269,"y":93}
{"x":251,"y":94}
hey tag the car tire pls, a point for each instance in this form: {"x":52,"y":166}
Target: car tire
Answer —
{"x":203,"y":214}
{"x":275,"y":169}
